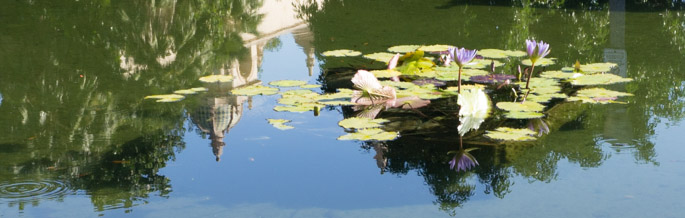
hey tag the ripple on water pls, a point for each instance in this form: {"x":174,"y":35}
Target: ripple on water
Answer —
{"x":29,"y":190}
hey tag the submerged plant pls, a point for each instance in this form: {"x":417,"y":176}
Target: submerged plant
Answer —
{"x":461,"y":57}
{"x":536,"y":50}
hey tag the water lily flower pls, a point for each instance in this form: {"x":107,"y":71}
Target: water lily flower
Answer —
{"x":536,"y":50}
{"x":474,"y":108}
{"x":462,"y":160}
{"x":392,"y":64}
{"x":460,"y":56}
{"x":371,"y":88}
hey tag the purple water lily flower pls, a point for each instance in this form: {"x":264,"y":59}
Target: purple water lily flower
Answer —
{"x":463,"y":161}
{"x":460,"y":56}
{"x":536,"y":50}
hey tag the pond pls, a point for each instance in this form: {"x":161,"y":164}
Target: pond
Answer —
{"x":78,"y":137}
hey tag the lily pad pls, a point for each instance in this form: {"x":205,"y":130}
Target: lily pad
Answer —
{"x":216,"y":79}
{"x":295,"y":100}
{"x":380,"y":56}
{"x":559,"y":75}
{"x":500,"y":54}
{"x":300,"y":92}
{"x":597,"y":67}
{"x":523,"y":115}
{"x":452,"y":73}
{"x":341,"y":53}
{"x":435,"y":48}
{"x":280,"y":123}
{"x":403,"y":85}
{"x":518,"y":106}
{"x":299,"y":108}
{"x":511,"y":134}
{"x":199,"y":89}
{"x":537,"y":82}
{"x":370,"y":134}
{"x":255,"y":90}
{"x":598,"y":79}
{"x":598,"y":95}
{"x":426,"y":81}
{"x":385,"y":73}
{"x":403,"y":48}
{"x":546,"y":97}
{"x":542,"y":62}
{"x":185,"y":92}
{"x":287,"y":83}
{"x":492,"y":78}
{"x":166,"y":98}
{"x":482,"y":63}
{"x":361,"y":123}
{"x":310,"y":86}
{"x":337,"y":102}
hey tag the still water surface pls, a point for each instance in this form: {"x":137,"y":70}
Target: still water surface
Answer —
{"x":77,"y":138}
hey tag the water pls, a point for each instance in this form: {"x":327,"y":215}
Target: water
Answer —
{"x":78,"y":139}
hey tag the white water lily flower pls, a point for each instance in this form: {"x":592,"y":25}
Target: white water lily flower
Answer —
{"x":372,"y":91}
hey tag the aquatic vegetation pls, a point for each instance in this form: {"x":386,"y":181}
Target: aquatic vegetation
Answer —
{"x":461,"y":57}
{"x":255,"y":90}
{"x":403,"y":48}
{"x":371,"y":134}
{"x":280,"y":123}
{"x":166,"y":98}
{"x":474,"y":108}
{"x":287,"y":83}
{"x":500,"y":54}
{"x":536,"y":50}
{"x":463,"y":160}
{"x":598,"y":79}
{"x":371,"y":88}
{"x":341,"y":53}
{"x":216,"y":79}
{"x":511,"y":134}
{"x":310,"y":86}
{"x":361,"y":123}
{"x":598,"y":95}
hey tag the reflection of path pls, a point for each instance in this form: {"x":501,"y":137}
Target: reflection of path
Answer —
{"x":219,"y":111}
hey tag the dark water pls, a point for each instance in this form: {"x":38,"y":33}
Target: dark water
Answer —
{"x":78,"y":139}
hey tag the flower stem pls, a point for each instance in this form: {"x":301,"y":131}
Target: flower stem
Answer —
{"x":532,"y":69}
{"x":459,"y":81}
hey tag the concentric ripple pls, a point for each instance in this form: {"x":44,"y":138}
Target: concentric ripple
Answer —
{"x":44,"y":189}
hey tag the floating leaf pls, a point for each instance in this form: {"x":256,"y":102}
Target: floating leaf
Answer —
{"x":523,"y":115}
{"x":511,"y":134}
{"x":537,"y":82}
{"x":598,"y":79}
{"x":341,"y":53}
{"x":452,"y":73}
{"x":295,"y":99}
{"x":385,"y":73}
{"x":403,"y":48}
{"x":166,"y":98}
{"x":597,"y":67}
{"x":482,"y":63}
{"x":255,"y":90}
{"x":434,"y":82}
{"x":499,"y":54}
{"x":435,"y":48}
{"x":216,"y":78}
{"x":310,"y":86}
{"x":287,"y":83}
{"x":380,"y":56}
{"x":540,"y":62}
{"x":546,"y":97}
{"x":518,"y":106}
{"x":280,"y":124}
{"x":299,"y":108}
{"x":559,"y":75}
{"x":370,"y":134}
{"x":185,"y":92}
{"x":306,"y":92}
{"x":337,"y":102}
{"x":199,"y":89}
{"x":403,"y":85}
{"x":492,"y":78}
{"x":361,"y":123}
{"x":598,"y":95}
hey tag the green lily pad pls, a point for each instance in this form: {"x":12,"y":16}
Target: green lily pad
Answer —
{"x":403,"y":48}
{"x":537,"y":82}
{"x":511,"y":134}
{"x":523,"y":115}
{"x":427,"y":91}
{"x":300,"y":92}
{"x":295,"y":100}
{"x":546,"y":97}
{"x":336,"y":102}
{"x":166,"y":98}
{"x":287,"y":83}
{"x":385,"y":73}
{"x":598,"y":79}
{"x":185,"y":92}
{"x":310,"y":86}
{"x":500,"y":54}
{"x":341,"y":53}
{"x":402,"y":85}
{"x":299,"y":108}
{"x":482,"y":64}
{"x":216,"y":78}
{"x":452,"y":73}
{"x":280,"y":123}
{"x":598,"y":95}
{"x":542,"y":62}
{"x":518,"y":106}
{"x":361,"y":123}
{"x":380,"y":56}
{"x":375,"y":134}
{"x":559,"y":75}
{"x":199,"y":89}
{"x":435,"y":48}
{"x":255,"y":90}
{"x":597,"y":67}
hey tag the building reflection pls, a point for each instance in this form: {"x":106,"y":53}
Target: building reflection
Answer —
{"x":219,"y":111}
